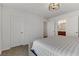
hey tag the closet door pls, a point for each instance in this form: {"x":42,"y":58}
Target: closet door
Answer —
{"x":12,"y":28}
{"x":5,"y":28}
{"x":18,"y":30}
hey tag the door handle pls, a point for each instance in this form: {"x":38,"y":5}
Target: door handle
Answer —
{"x":21,"y":32}
{"x":76,"y":32}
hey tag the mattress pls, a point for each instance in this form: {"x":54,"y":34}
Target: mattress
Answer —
{"x":56,"y":46}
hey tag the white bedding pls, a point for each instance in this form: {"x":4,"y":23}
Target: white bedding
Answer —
{"x":56,"y":46}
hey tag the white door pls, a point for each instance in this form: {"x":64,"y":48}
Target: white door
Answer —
{"x":12,"y":28}
{"x":18,"y":30}
{"x":5,"y":29}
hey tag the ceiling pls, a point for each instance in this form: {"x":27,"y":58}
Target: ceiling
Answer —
{"x":41,"y":9}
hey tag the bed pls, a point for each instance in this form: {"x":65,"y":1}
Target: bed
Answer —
{"x":56,"y":46}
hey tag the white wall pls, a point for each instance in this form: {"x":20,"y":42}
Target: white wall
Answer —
{"x":33,"y":27}
{"x":50,"y":28}
{"x":72,"y":23}
{"x":0,"y":29}
{"x":72,"y":26}
{"x":78,"y":26}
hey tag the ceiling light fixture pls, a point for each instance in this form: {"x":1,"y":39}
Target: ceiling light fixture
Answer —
{"x":54,"y":6}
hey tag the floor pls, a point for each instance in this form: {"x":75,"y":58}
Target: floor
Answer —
{"x":16,"y":51}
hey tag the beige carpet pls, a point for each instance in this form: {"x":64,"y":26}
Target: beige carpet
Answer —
{"x":16,"y":51}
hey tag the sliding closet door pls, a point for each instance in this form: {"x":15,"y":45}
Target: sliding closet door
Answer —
{"x":5,"y":28}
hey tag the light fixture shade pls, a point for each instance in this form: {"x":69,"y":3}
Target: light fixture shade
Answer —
{"x":54,"y":6}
